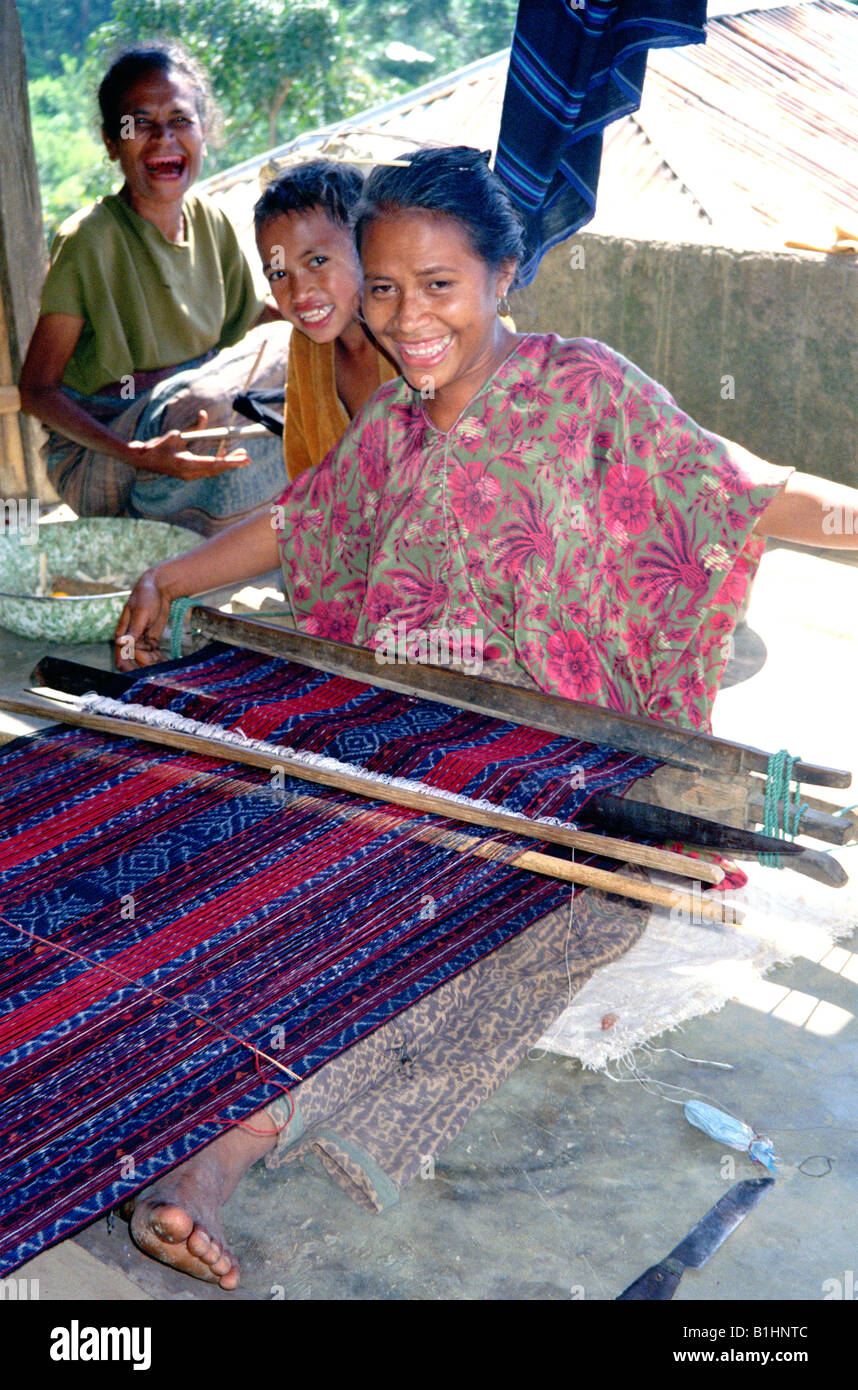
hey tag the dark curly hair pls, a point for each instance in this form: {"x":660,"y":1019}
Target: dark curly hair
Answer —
{"x":318,"y":183}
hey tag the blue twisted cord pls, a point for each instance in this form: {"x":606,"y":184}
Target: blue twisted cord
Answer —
{"x":178,"y":609}
{"x":778,"y":789}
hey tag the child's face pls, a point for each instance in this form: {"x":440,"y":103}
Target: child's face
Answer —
{"x":312,"y":268}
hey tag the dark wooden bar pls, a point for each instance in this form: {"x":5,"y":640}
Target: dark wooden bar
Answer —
{"x":701,"y":753}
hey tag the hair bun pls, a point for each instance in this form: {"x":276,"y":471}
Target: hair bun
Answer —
{"x":432,"y":181}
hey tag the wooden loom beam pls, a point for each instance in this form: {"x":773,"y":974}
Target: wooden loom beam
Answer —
{"x":631,"y":819}
{"x":703,"y":775}
{"x":605,"y":814}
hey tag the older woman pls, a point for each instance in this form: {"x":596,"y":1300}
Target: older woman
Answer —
{"x":147,"y":293}
{"x":545,"y":494}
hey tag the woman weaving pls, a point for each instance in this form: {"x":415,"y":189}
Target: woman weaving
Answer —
{"x":145,"y":307}
{"x":545,"y":493}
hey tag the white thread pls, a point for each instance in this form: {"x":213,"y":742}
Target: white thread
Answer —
{"x":167,"y":719}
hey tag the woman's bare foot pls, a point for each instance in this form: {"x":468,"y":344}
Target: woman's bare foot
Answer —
{"x":177,"y":1219}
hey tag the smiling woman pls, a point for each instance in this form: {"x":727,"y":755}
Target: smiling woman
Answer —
{"x":147,"y":296}
{"x":434,"y":284}
{"x":542,"y":495}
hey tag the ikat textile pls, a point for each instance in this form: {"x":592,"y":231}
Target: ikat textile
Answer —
{"x":224,"y":899}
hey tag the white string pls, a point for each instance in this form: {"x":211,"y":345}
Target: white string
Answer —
{"x":568,"y":938}
{"x":167,"y":719}
{"x":629,"y":1062}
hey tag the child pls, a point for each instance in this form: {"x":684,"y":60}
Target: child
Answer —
{"x":311,"y":265}
{"x":310,"y":262}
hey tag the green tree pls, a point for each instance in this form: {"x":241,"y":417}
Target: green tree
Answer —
{"x":277,"y":68}
{"x":58,"y":30}
{"x":69,"y":156}
{"x":443,"y":37}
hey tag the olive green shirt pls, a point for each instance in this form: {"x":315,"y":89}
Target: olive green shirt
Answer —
{"x":146,"y":302}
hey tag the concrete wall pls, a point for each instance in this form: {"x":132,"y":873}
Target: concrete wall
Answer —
{"x":783,"y":327}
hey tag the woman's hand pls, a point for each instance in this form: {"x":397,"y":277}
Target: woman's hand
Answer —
{"x":141,"y":623}
{"x":169,"y":454}
{"x":53,"y":342}
{"x":241,"y":552}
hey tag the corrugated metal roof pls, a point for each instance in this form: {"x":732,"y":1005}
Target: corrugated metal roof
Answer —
{"x":760,"y":122}
{"x":747,"y":140}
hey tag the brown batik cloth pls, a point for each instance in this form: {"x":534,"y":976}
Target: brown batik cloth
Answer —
{"x":380,"y":1112}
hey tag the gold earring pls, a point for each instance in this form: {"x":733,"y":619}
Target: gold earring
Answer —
{"x":503,"y":306}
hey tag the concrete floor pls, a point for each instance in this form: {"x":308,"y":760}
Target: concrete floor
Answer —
{"x":565,"y":1185}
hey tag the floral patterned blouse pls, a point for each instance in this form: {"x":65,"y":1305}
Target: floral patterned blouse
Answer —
{"x":595,"y":537}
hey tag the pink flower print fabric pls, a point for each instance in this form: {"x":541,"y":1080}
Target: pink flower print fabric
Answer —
{"x":592,"y":534}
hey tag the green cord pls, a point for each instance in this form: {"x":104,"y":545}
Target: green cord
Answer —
{"x":778,"y":783}
{"x":178,"y":609}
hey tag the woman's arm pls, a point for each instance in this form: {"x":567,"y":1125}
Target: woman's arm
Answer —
{"x":243,"y":551}
{"x":51,"y":347}
{"x":812,"y":511}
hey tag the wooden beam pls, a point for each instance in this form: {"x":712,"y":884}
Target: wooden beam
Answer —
{"x":701,"y":754}
{"x":22,"y":258}
{"x":14,"y":479}
{"x":10,"y":399}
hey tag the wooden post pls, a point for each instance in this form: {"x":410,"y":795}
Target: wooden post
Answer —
{"x":22,"y":258}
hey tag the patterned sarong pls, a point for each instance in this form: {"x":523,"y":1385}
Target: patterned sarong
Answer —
{"x":227,"y":900}
{"x":96,"y":484}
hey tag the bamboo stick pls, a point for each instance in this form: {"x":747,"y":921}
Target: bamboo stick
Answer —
{"x":368,"y":786}
{"x":227,"y":432}
{"x":546,"y":864}
{"x":691,"y":906}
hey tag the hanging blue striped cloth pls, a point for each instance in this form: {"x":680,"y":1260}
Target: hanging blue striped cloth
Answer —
{"x":575,"y":66}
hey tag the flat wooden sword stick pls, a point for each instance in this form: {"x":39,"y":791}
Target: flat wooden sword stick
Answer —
{"x":250,"y":375}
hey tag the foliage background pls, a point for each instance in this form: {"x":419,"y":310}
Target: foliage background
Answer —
{"x":278,"y":68}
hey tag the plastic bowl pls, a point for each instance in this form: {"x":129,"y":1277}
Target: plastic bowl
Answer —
{"x":95,"y":545}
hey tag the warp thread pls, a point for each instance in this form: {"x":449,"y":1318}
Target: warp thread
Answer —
{"x":175,"y":1004}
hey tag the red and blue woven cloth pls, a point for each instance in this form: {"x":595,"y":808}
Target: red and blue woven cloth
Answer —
{"x":207,"y":901}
